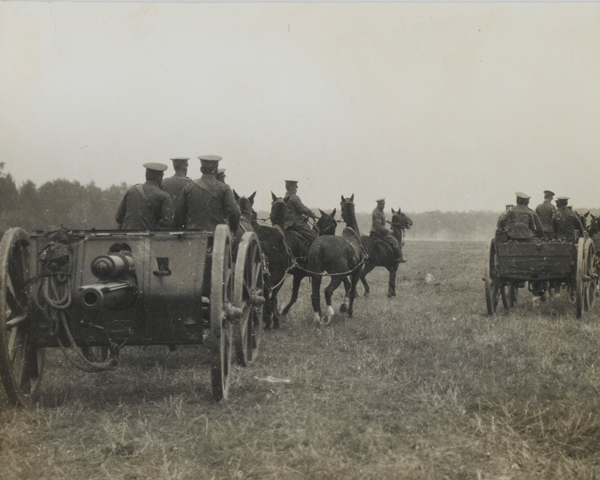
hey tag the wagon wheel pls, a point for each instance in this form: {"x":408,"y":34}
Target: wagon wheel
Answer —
{"x":492,"y":289}
{"x":248,"y":296}
{"x":21,"y":362}
{"x":580,"y":273}
{"x":221,"y":293}
{"x":510,"y":294}
{"x":591,"y":280}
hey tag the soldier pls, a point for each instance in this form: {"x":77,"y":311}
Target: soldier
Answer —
{"x":520,"y":222}
{"x":221,"y":175}
{"x":545,"y":211}
{"x":379,"y":231}
{"x":295,"y":209}
{"x":146,"y":207}
{"x":174,"y":185}
{"x":565,"y":222}
{"x":205,"y":203}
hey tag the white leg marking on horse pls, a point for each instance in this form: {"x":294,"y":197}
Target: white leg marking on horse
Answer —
{"x":317,"y":317}
{"x":330,"y":310}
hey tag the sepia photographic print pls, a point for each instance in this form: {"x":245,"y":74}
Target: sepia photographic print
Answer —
{"x":299,"y":240}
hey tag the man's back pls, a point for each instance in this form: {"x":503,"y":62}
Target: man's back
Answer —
{"x":205,"y":203}
{"x":545,"y":211}
{"x":377,"y":221}
{"x":565,"y":223}
{"x":520,"y":223}
{"x":174,"y":185}
{"x":148,"y":209}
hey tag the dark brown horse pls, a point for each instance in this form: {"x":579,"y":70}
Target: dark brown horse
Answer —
{"x":340,"y":257}
{"x":297,"y":247}
{"x":381,"y":254}
{"x":277,"y":259}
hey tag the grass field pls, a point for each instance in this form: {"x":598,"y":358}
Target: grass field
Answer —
{"x":421,"y":386}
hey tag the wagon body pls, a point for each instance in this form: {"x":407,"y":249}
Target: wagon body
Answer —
{"x":78,"y":290}
{"x":541,"y":261}
{"x":173,"y":284}
{"x":545,"y":267}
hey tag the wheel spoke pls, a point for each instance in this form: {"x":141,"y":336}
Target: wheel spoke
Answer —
{"x":11,"y":297}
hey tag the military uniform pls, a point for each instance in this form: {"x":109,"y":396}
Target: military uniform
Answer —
{"x":565,"y":223}
{"x":205,"y":203}
{"x":520,"y":223}
{"x":545,"y":211}
{"x":379,"y":230}
{"x":145,"y":207}
{"x":295,"y":210}
{"x":174,"y":185}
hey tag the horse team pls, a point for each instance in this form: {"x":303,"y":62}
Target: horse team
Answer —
{"x":346,"y":258}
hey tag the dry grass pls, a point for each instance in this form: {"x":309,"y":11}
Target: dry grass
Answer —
{"x":421,"y":386}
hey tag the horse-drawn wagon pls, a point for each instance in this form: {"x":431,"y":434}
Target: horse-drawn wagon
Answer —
{"x":107,"y":289}
{"x":542,"y":266}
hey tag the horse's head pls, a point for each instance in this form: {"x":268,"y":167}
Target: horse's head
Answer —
{"x":327,"y":223}
{"x":246,"y":205}
{"x":278,"y":209}
{"x":400,"y":221}
{"x":347,"y":209}
{"x":583,"y":219}
{"x":594,"y":227}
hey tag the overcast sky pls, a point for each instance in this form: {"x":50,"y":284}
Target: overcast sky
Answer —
{"x":433,"y":106}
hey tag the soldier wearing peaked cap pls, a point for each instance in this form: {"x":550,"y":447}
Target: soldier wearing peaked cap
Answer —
{"x":147,"y":206}
{"x":295,"y":212}
{"x":206,"y":202}
{"x":566,"y":222}
{"x":545,"y":211}
{"x":379,"y":230}
{"x":520,"y":223}
{"x":174,"y":185}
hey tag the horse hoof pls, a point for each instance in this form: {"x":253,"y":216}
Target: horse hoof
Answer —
{"x":326,"y":319}
{"x":343,"y":308}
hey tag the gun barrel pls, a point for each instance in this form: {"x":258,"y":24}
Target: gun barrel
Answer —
{"x":107,"y":295}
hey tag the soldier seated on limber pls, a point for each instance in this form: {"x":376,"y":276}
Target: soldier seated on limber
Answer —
{"x":295,"y":211}
{"x":174,"y":185}
{"x":146,"y":207}
{"x":519,"y":223}
{"x":565,"y":222}
{"x":206,"y":202}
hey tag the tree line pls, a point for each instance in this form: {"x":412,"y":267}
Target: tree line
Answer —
{"x":77,"y":206}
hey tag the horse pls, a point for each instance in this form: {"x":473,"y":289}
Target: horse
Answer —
{"x":341,"y":257}
{"x":297,"y":247}
{"x":276,"y":258}
{"x":380,"y":254}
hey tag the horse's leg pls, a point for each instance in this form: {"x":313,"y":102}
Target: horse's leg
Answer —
{"x":392,"y":282}
{"x":316,"y":297}
{"x":333,"y":285}
{"x":275,"y":308}
{"x":355,"y":277}
{"x":363,"y":277}
{"x":347,"y":287}
{"x":295,"y":289}
{"x":268,"y":310}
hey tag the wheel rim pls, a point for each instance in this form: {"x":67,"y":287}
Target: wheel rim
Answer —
{"x":579,"y":281}
{"x":21,"y":362}
{"x":248,"y":296}
{"x":221,"y":294}
{"x":590,"y":269}
{"x":492,"y":291}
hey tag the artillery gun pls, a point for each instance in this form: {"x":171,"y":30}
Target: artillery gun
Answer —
{"x":106,"y":289}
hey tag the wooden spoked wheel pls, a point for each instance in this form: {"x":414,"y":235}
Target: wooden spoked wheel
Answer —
{"x":21,"y":362}
{"x":492,"y":289}
{"x":221,"y":294}
{"x":590,"y":275}
{"x":248,"y":295}
{"x":580,"y":278}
